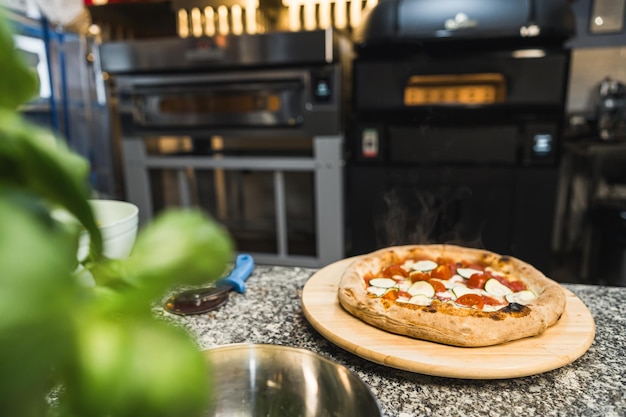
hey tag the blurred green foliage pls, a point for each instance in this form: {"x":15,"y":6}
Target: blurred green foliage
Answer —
{"x":99,"y":349}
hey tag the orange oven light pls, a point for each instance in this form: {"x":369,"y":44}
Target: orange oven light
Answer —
{"x":464,"y":89}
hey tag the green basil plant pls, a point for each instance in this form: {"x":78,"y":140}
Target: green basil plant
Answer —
{"x":71,"y":350}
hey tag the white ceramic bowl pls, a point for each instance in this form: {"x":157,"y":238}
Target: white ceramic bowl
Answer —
{"x":118,"y":222}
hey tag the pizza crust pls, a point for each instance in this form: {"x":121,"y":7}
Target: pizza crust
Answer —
{"x":446,"y":323}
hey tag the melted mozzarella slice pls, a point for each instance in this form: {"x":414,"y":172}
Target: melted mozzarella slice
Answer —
{"x":468,"y":272}
{"x":446,"y":295}
{"x":453,"y":282}
{"x":490,"y":308}
{"x":382,"y":282}
{"x":461,"y":290}
{"x":421,"y":300}
{"x":493,"y":286}
{"x":422,"y":288}
{"x":377,"y":291}
{"x":424,"y":265}
{"x":521,"y":297}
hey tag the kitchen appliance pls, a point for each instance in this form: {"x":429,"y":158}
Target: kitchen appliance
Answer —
{"x":610,"y":110}
{"x":458,"y":110}
{"x":248,"y":127}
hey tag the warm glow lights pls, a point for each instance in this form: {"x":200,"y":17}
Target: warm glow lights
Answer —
{"x":241,"y":17}
{"x":237,"y":22}
{"x":294,"y":17}
{"x":183,"y":24}
{"x":322,"y":14}
{"x":310,"y":21}
{"x":196,"y":22}
{"x":355,"y":13}
{"x":223,"y":26}
{"x":325,"y":18}
{"x":209,"y":21}
{"x":251,"y":9}
{"x":341,"y":15}
{"x":529,"y":53}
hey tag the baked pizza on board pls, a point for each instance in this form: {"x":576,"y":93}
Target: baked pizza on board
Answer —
{"x":451,"y":294}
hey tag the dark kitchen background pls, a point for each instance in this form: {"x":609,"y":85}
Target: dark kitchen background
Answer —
{"x":316,"y":130}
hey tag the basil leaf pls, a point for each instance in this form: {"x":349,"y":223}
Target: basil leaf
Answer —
{"x":32,"y":158}
{"x":37,"y":298}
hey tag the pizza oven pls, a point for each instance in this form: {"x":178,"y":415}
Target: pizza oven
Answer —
{"x":247,"y":127}
{"x":456,"y":129}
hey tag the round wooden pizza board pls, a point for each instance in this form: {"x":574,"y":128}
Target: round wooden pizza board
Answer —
{"x":558,"y":346}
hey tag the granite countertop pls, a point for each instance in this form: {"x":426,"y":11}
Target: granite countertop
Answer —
{"x":270,"y":311}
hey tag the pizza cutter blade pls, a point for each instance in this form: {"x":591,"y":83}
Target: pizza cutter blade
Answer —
{"x":202,"y":300}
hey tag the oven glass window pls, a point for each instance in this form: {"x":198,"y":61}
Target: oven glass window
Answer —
{"x":454,"y":89}
{"x":475,"y":94}
{"x":221,"y":103}
{"x":232,"y":106}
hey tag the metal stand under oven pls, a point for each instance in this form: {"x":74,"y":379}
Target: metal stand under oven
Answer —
{"x":282,"y":88}
{"x":326,"y":165}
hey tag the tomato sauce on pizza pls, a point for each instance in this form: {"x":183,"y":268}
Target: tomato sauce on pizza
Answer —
{"x":427,"y":281}
{"x":451,"y":294}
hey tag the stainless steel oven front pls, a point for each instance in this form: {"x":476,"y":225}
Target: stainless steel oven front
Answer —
{"x":256,"y":143}
{"x":291,"y":101}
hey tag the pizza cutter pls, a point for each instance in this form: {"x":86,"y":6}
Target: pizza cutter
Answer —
{"x":202,"y":300}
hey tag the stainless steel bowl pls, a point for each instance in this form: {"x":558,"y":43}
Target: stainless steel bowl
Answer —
{"x":271,"y":380}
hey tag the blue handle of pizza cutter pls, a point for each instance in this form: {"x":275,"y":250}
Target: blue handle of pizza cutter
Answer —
{"x":244,"y":264}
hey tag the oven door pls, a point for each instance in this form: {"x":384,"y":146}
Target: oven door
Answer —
{"x":505,"y":209}
{"x":470,"y":206}
{"x":272,"y":99}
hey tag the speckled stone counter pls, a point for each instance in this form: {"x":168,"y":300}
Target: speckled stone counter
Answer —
{"x":270,"y":311}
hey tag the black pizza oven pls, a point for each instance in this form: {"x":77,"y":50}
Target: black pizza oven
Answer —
{"x":455,"y":135}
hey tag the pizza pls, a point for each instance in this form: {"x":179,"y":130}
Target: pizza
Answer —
{"x":451,"y":294}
